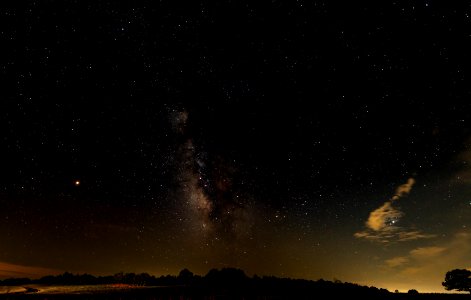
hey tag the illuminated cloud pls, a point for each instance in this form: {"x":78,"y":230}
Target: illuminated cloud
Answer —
{"x":403,"y":236}
{"x":8,"y":270}
{"x":430,"y":264}
{"x":381,"y":225}
{"x":392,"y":234}
{"x":379,"y":217}
{"x":397,"y":261}
{"x":427,"y":252}
{"x":386,"y":215}
{"x":404,"y":189}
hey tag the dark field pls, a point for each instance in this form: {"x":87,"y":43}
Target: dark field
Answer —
{"x":227,"y":283}
{"x":190,"y":293}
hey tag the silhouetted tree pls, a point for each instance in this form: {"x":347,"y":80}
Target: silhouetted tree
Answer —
{"x":458,"y":279}
{"x":118,"y":277}
{"x":412,"y":292}
{"x":167,"y":280}
{"x":47,"y":279}
{"x":143,"y":279}
{"x":185,"y":277}
{"x":227,"y":278}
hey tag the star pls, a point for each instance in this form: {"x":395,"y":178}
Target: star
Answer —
{"x":77,"y":182}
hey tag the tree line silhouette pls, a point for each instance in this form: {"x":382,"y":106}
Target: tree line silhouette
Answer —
{"x":227,"y":281}
{"x":232,"y":283}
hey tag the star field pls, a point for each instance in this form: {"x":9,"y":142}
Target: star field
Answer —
{"x":304,"y":139}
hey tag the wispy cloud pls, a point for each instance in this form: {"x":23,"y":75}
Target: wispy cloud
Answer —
{"x":427,"y":252}
{"x":382,"y":226}
{"x":397,"y":261}
{"x":403,"y":236}
{"x":429,"y":264}
{"x":404,"y":189}
{"x":9,"y":270}
{"x":386,"y":215}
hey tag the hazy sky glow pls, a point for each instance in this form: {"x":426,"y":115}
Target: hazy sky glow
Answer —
{"x":289,"y":140}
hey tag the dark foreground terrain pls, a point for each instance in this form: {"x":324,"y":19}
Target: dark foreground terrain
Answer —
{"x":329,"y":290}
{"x":181,"y":293}
{"x":217,"y":284}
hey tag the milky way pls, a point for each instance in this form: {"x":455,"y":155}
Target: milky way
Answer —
{"x":206,"y":190}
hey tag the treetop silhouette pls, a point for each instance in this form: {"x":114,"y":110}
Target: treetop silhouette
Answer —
{"x":458,"y":279}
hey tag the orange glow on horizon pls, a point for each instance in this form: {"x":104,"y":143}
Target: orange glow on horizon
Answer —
{"x":8,"y":270}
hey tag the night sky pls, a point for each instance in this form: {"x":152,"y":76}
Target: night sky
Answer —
{"x":302,"y":139}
